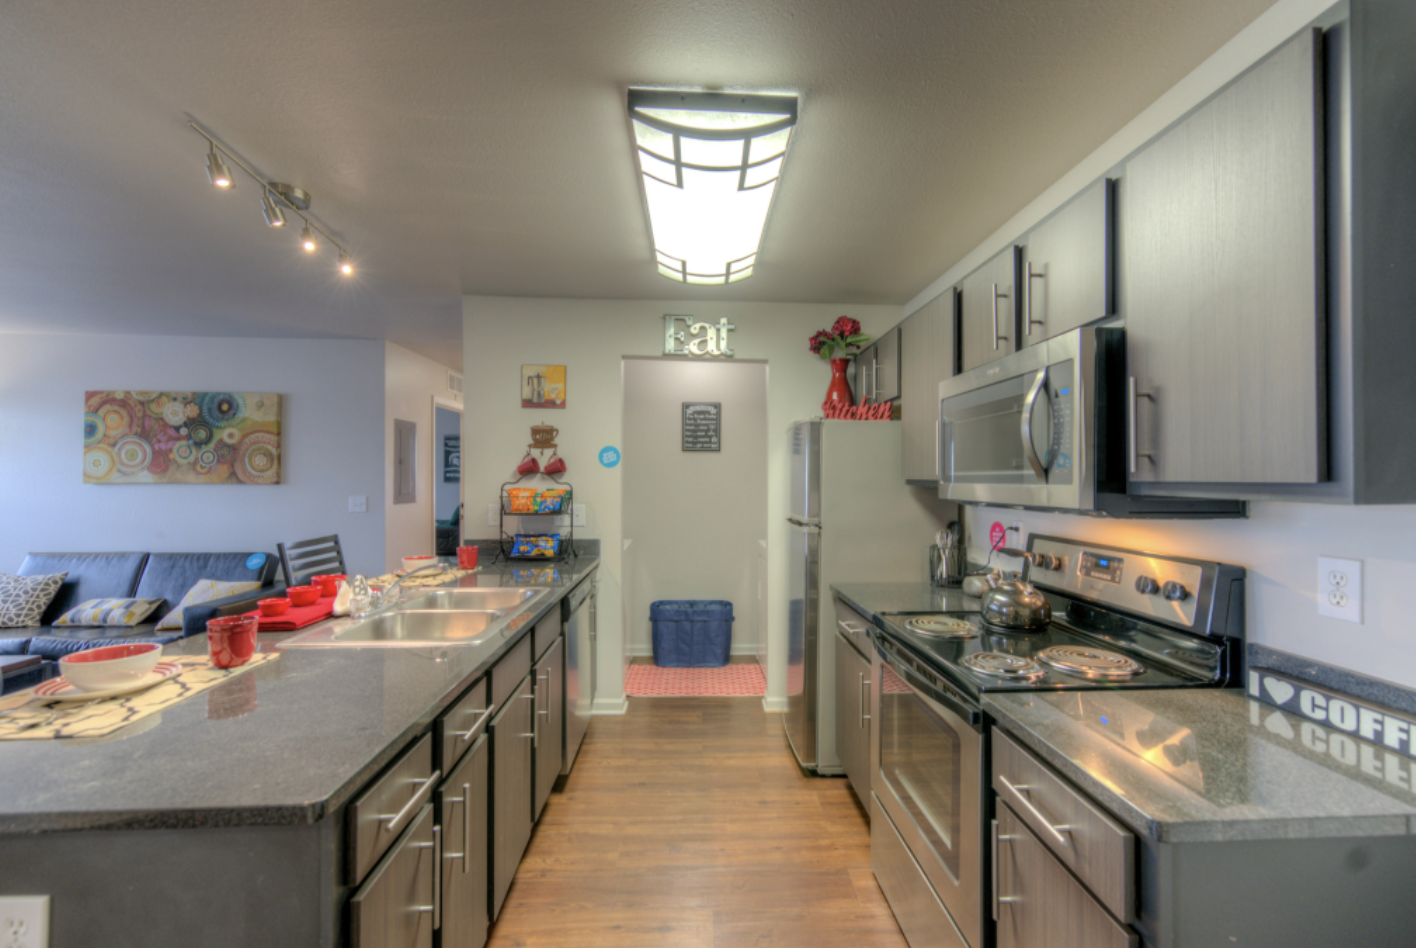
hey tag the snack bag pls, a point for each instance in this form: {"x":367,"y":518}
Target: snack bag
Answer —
{"x":550,"y":501}
{"x":521,"y":499}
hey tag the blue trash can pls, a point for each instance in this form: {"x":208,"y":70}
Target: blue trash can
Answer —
{"x":691,"y":633}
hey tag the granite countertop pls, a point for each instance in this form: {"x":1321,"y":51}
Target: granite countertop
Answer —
{"x":875,"y":600}
{"x":317,"y":725}
{"x":1204,"y":765}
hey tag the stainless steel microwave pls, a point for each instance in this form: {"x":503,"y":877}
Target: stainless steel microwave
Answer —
{"x":1039,"y":428}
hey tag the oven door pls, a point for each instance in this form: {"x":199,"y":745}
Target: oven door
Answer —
{"x":929,"y":777}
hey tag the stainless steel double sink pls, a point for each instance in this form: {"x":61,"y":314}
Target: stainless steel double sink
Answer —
{"x":431,"y":618}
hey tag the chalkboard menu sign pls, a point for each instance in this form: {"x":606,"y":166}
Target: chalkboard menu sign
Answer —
{"x":703,"y":426}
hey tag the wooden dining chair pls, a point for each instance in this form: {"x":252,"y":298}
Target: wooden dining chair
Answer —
{"x":305,"y":558}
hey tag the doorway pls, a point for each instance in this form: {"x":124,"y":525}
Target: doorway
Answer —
{"x":694,"y":508}
{"x":447,"y":477}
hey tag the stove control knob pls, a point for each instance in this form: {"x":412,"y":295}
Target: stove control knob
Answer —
{"x":1147,"y":586}
{"x":1044,"y":561}
{"x":1175,"y":592}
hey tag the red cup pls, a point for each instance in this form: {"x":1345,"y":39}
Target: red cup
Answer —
{"x":556,"y":465}
{"x":271,"y":608}
{"x":232,"y":641}
{"x":466,"y":557}
{"x":528,"y":465}
{"x":328,"y":585}
{"x":303,"y":595}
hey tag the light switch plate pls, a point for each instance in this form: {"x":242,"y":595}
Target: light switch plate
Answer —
{"x":1340,"y":588}
{"x":24,"y":921}
{"x":492,"y":513}
{"x":358,"y":504}
{"x":579,"y":514}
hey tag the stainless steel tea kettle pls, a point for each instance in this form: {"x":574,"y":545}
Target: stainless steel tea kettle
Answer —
{"x":1014,"y":604}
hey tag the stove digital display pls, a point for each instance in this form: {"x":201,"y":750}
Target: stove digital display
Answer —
{"x":1105,"y":568}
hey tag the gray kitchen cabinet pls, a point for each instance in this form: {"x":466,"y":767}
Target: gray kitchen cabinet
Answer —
{"x":578,"y":624}
{"x":394,"y":908}
{"x":463,"y":821}
{"x":512,"y":752}
{"x":549,"y":724}
{"x":926,"y":359}
{"x":1068,"y":266}
{"x":1223,"y":284}
{"x":878,"y":370}
{"x":988,"y":320}
{"x":852,"y":717}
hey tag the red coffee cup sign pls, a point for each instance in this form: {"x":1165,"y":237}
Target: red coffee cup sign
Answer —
{"x":997,"y":535}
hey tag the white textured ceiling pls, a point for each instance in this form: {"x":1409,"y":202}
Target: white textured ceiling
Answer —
{"x":481,"y":147}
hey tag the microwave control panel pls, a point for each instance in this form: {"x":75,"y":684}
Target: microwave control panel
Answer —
{"x":1061,"y":434}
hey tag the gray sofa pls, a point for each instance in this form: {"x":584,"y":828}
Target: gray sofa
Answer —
{"x":166,"y":576}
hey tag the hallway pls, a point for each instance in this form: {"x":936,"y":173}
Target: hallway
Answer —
{"x":686,"y":824}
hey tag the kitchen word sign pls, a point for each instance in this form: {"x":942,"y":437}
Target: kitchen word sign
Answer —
{"x":1363,"y":720}
{"x":879,"y":412}
{"x":696,"y":338}
{"x":702,"y":426}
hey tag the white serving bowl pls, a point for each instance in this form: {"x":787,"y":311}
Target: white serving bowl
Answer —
{"x":415,"y":562}
{"x":112,"y":666}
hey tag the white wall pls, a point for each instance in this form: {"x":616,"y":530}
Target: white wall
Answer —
{"x":410,"y":383}
{"x":590,"y":337}
{"x":330,"y":389}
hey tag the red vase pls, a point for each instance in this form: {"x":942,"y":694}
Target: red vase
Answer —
{"x":839,"y":391}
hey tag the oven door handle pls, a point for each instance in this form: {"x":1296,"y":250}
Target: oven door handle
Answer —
{"x":973,"y":717}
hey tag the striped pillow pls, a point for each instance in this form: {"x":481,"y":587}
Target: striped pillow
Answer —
{"x":117,"y":612}
{"x":204,"y":591}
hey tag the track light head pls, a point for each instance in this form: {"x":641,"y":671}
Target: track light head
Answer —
{"x":346,"y":266}
{"x":308,"y":243}
{"x":217,"y":171}
{"x":274,"y":213}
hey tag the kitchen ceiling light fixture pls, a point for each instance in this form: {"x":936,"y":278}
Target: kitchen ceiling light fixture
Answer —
{"x":276,"y":199}
{"x":709,"y":164}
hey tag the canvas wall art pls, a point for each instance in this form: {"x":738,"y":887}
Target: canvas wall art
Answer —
{"x":543,"y":386}
{"x":181,"y":438}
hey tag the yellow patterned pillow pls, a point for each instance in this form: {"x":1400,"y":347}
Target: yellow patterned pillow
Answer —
{"x":120,"y":612}
{"x":204,"y":591}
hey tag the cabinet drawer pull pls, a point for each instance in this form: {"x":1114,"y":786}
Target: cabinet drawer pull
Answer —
{"x":864,"y":698}
{"x":850,"y":628}
{"x":997,"y":337}
{"x":1020,"y":791}
{"x":425,"y":789}
{"x":1135,"y":396}
{"x":477,"y":725}
{"x":1028,"y":298}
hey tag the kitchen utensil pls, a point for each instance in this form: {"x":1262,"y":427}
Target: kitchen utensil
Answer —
{"x":955,"y":559}
{"x":273,"y":607}
{"x":232,"y":641}
{"x":979,"y":582}
{"x":62,"y":689}
{"x":411,"y":563}
{"x":1016,"y":606}
{"x":528,"y":465}
{"x":556,"y":465}
{"x":302,"y":595}
{"x":102,"y":669}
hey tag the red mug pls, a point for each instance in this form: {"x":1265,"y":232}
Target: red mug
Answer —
{"x":328,"y":585}
{"x":231,"y":641}
{"x":556,"y":465}
{"x":528,"y":465}
{"x":466,"y":557}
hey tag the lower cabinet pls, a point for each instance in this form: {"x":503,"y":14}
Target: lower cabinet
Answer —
{"x":396,"y":905}
{"x":853,"y":717}
{"x":512,"y":752}
{"x":549,"y":726}
{"x":463,"y":821}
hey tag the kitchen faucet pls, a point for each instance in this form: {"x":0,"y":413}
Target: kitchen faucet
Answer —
{"x":366,"y":602}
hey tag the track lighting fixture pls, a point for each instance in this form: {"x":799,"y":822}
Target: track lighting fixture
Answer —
{"x":274,"y":213}
{"x":217,"y":171}
{"x":276,"y":199}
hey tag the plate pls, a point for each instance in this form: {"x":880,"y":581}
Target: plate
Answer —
{"x":59,"y":689}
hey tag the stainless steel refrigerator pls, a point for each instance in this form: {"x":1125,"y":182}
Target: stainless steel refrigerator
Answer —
{"x":853,"y":520}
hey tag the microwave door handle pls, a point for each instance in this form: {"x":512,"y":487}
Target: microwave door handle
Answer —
{"x":1028,"y":405}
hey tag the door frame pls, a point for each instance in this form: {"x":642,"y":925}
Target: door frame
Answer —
{"x":436,"y":466}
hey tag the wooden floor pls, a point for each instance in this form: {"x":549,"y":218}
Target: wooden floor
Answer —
{"x":687,"y":823}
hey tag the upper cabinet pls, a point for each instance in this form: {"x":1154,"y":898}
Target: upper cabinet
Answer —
{"x":1223,"y":284}
{"x":1068,"y":266}
{"x":878,"y":369}
{"x":988,"y":326}
{"x":926,"y":359}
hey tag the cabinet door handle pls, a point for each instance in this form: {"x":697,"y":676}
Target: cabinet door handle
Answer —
{"x":547,"y":679}
{"x":938,"y":441}
{"x":425,"y":789}
{"x":997,"y":898}
{"x":466,"y":801}
{"x":535,"y":734}
{"x":1021,"y":792}
{"x":477,"y":725}
{"x":1028,"y":299}
{"x":436,"y":847}
{"x":996,"y":336}
{"x":864,"y":698}
{"x":1135,"y":396}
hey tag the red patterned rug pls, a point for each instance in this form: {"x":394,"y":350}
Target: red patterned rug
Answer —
{"x":729,"y":681}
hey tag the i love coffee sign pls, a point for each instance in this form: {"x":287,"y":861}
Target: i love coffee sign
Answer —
{"x":1368,"y":722}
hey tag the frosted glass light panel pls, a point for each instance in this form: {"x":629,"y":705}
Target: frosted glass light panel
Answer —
{"x":710,"y":163}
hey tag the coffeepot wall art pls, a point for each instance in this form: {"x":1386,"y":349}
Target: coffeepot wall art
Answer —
{"x":181,"y":438}
{"x":543,"y":386}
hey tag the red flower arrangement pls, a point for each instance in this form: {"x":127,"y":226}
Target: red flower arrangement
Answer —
{"x":844,"y":334}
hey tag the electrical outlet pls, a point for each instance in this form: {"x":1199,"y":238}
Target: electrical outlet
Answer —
{"x":24,"y":921}
{"x":1340,"y":589}
{"x":359,"y":504}
{"x":1017,"y":535}
{"x":579,"y":517}
{"x":492,"y":515}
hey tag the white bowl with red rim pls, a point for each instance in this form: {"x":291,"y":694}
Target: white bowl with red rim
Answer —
{"x":411,"y":563}
{"x":112,"y":666}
